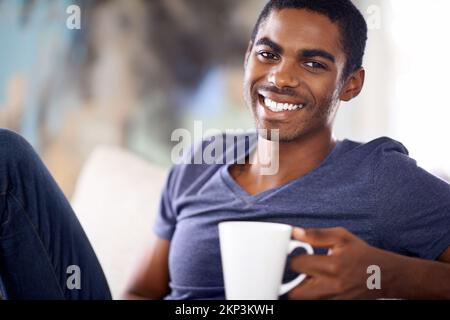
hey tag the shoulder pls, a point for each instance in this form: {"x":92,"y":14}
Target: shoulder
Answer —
{"x":388,"y":163}
{"x":368,"y":157}
{"x":387,"y":157}
{"x":378,"y":148}
{"x":393,"y":169}
{"x":390,"y":156}
{"x":387,"y":149}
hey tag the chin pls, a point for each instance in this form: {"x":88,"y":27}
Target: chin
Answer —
{"x":283,"y":136}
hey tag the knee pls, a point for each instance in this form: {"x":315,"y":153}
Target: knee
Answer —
{"x":13,"y":147}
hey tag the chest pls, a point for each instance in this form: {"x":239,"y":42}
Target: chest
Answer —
{"x":195,"y":260}
{"x":254,"y":184}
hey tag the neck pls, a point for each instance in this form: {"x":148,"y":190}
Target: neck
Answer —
{"x":295,"y":158}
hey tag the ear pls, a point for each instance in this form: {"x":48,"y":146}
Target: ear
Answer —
{"x":247,"y":54}
{"x":353,"y":85}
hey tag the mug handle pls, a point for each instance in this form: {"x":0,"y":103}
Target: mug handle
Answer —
{"x":294,"y":244}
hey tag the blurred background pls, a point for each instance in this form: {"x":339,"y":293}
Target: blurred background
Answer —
{"x":136,"y":70}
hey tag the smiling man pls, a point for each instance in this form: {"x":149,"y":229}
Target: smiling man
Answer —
{"x":363,"y":204}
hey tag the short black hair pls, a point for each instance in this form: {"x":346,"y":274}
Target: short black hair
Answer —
{"x":349,"y":19}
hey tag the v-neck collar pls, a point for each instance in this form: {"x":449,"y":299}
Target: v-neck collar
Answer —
{"x":249,"y":198}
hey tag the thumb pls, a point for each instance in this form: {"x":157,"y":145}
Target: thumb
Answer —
{"x":323,"y":238}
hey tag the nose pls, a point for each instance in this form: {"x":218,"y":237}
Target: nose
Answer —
{"x":283,"y":76}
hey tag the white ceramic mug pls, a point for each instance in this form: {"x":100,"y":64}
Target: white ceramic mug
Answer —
{"x":254,"y":256}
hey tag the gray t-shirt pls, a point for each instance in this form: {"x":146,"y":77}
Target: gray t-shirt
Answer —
{"x":374,"y":190}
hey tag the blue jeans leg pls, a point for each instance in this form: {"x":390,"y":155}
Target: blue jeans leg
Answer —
{"x":44,"y":252}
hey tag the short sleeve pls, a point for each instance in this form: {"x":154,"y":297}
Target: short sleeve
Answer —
{"x":166,"y":218}
{"x":413,"y":206}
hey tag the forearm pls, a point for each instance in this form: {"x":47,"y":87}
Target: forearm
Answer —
{"x":413,"y":278}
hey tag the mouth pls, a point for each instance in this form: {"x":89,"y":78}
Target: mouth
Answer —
{"x":279,"y":106}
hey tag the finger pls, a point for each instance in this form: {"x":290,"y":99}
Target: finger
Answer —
{"x":313,"y":265}
{"x":323,"y":238}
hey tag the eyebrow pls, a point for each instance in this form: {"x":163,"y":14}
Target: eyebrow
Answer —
{"x":306,"y":53}
{"x":267,"y":42}
{"x":311,"y":53}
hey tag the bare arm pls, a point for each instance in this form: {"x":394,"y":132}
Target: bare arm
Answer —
{"x":431,"y":278}
{"x":414,"y":278}
{"x":152,"y":279}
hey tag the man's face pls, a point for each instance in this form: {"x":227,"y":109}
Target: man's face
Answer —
{"x":292,"y":73}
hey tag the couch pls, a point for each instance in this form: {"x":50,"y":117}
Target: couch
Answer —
{"x":115,"y":199}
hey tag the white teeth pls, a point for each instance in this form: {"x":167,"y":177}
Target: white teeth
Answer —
{"x":279,"y":107}
{"x":273,"y":105}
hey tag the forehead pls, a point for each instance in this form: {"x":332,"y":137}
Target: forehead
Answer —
{"x":296,"y":29}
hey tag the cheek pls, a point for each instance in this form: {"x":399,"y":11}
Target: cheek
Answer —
{"x":254,"y":71}
{"x":323,"y":89}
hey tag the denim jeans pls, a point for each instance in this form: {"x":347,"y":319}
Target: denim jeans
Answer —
{"x":44,"y":252}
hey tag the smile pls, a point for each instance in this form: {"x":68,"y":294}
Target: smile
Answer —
{"x":276,"y":106}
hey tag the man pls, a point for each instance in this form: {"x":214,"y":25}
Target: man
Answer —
{"x":365,"y":204}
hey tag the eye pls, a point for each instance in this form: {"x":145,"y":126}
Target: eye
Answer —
{"x":315,"y":65}
{"x":268,"y":55}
